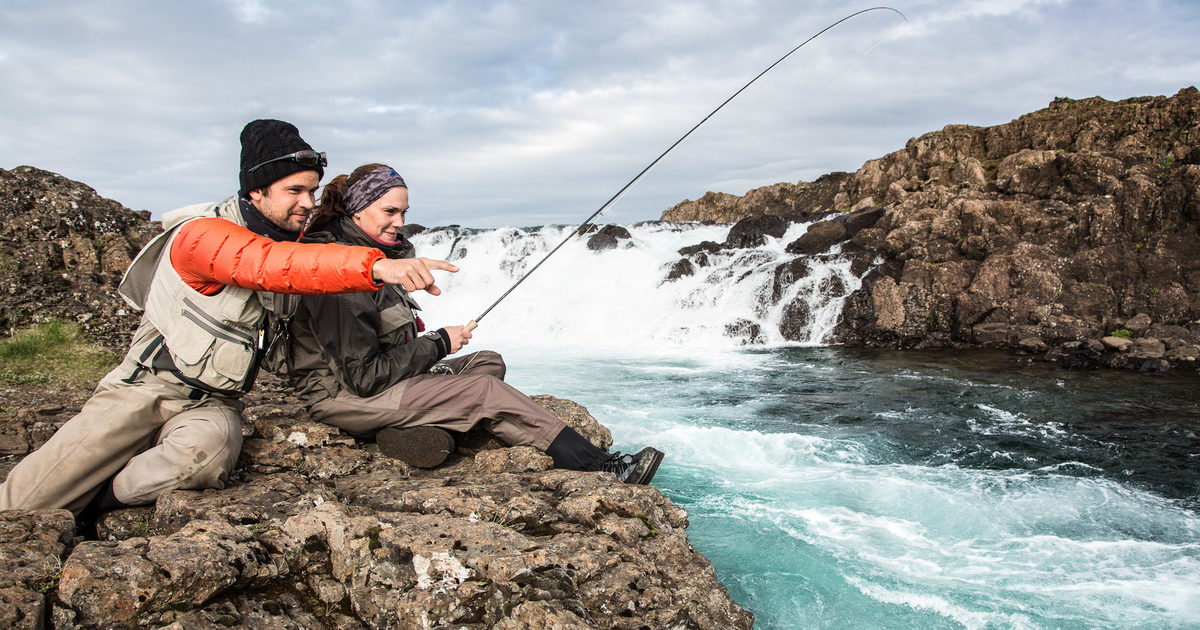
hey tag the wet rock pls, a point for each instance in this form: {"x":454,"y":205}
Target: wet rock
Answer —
{"x":412,"y":229}
{"x":1147,"y":348}
{"x":753,"y":231}
{"x":682,"y":268}
{"x":704,"y":247}
{"x":746,"y":331}
{"x":796,"y":320}
{"x":787,"y":274}
{"x":819,"y":238}
{"x":1158,"y":364}
{"x":860,"y":220}
{"x":609,"y":237}
{"x":1032,"y":345}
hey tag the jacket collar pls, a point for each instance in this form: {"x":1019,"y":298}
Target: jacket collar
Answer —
{"x":345,"y":230}
{"x":257,"y":223}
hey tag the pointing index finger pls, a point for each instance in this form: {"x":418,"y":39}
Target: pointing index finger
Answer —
{"x":439,"y":264}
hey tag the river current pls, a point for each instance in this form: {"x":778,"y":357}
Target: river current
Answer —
{"x":842,"y":488}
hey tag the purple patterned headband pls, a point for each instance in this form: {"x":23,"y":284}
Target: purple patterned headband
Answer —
{"x":365,"y":191}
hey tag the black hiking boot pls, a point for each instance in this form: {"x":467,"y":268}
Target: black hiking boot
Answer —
{"x":420,"y":447}
{"x":637,"y":469}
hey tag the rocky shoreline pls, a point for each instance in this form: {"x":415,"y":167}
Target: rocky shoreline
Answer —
{"x":316,"y":530}
{"x":1072,"y":233}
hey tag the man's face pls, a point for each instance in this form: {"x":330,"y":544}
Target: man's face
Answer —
{"x":288,"y":202}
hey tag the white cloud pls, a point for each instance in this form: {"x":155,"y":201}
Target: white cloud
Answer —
{"x":533,"y":110}
{"x":249,"y":11}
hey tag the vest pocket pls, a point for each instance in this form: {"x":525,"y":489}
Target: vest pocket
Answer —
{"x":232,"y":360}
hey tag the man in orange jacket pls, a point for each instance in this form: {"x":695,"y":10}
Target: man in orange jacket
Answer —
{"x":169,"y":416}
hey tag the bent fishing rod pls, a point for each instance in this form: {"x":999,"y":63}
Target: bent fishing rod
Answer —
{"x":471,"y":325}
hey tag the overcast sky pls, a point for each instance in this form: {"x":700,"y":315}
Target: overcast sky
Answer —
{"x":530,"y":112}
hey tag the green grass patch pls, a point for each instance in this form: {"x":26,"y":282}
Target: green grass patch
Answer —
{"x":1123,"y":333}
{"x":53,"y":352}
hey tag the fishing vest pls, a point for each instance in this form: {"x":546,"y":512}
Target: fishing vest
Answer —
{"x":212,"y":343}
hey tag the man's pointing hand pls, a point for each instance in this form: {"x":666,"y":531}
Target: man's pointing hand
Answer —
{"x":411,"y":273}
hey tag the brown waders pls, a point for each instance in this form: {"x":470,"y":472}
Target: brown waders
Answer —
{"x":147,"y":434}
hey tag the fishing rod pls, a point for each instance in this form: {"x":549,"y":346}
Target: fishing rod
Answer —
{"x":471,"y":325}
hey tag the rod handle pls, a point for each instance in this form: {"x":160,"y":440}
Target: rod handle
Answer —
{"x":471,"y":325}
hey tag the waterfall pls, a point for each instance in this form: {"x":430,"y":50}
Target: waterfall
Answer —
{"x":623,"y":297}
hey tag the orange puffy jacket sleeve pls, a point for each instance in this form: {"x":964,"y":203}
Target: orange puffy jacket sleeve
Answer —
{"x":210,"y":253}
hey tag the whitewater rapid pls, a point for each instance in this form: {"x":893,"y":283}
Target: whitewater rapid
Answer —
{"x":621,"y":297}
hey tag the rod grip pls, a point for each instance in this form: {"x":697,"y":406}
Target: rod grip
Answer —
{"x":471,"y":325}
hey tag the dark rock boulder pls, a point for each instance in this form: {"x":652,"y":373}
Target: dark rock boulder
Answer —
{"x":753,"y":231}
{"x":412,"y":229}
{"x":819,"y":237}
{"x":699,"y":252}
{"x":746,"y":331}
{"x":608,"y":237}
{"x":860,"y":220}
{"x":681,"y":268}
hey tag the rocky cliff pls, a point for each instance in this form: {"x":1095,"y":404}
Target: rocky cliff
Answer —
{"x":315,"y":529}
{"x":63,"y":249}
{"x":1051,"y":232}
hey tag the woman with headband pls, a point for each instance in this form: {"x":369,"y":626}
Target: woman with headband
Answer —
{"x":362,"y":364}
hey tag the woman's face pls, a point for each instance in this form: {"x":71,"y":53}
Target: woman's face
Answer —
{"x":383,"y":219}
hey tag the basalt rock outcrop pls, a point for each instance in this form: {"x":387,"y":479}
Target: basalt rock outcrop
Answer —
{"x":63,"y":249}
{"x":1048,"y":232}
{"x":315,"y":529}
{"x":796,"y":201}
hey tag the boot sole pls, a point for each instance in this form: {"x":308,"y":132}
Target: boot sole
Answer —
{"x":420,"y":447}
{"x":648,"y":474}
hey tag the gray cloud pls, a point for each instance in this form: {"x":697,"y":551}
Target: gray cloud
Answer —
{"x":528,"y":112}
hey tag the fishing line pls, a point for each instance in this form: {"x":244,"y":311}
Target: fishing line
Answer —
{"x":810,"y":97}
{"x":471,"y":325}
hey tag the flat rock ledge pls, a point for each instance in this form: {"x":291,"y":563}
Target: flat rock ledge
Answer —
{"x":317,"y":530}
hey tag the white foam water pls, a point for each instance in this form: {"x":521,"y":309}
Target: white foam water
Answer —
{"x":621,"y":297}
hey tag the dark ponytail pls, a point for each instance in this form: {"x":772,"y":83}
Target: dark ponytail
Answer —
{"x":333,"y":198}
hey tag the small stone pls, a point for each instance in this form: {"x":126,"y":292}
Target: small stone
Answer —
{"x":1032,"y":344}
{"x":1138,"y":324}
{"x":1120,"y":344}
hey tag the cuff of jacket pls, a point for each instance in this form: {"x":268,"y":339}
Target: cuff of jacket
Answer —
{"x":442,"y":339}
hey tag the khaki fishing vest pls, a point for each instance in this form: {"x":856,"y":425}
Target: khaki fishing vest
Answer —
{"x":209,"y":342}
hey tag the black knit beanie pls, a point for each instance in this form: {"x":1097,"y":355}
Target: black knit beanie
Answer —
{"x":263,"y":140}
